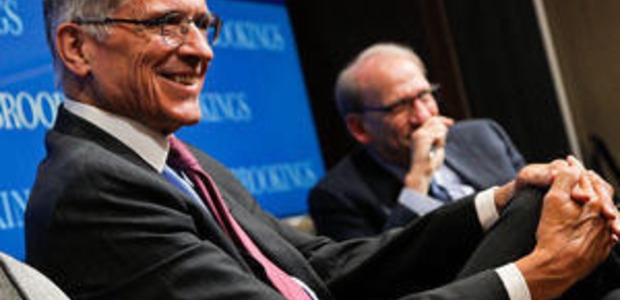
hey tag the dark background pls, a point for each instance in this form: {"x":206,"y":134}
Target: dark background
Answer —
{"x":486,"y":54}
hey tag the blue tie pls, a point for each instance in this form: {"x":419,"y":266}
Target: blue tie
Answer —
{"x":439,"y":192}
{"x":182,"y":185}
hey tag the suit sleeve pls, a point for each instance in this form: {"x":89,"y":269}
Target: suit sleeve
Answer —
{"x":411,"y":262}
{"x":402,"y":261}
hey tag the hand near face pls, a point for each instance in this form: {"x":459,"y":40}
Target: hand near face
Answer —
{"x":574,"y":234}
{"x":427,"y":152}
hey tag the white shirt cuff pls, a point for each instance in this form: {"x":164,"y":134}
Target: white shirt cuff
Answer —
{"x":485,"y":207}
{"x":514,"y":283}
{"x":417,"y":202}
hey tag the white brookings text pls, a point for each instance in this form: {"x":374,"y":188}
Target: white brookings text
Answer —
{"x":13,"y":207}
{"x":220,"y":107}
{"x":24,"y":111}
{"x":247,"y":35}
{"x":10,"y":21}
{"x":276,"y":178}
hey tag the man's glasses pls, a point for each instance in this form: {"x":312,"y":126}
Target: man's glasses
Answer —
{"x":173,"y":27}
{"x":405,"y":104}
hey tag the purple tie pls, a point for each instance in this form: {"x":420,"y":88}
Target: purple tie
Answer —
{"x":181,"y":159}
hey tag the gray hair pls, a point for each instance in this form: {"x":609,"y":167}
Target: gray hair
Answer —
{"x":349,"y":93}
{"x":56,"y":12}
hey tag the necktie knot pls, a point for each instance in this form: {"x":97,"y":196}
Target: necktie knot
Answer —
{"x":439,"y":192}
{"x":179,"y":156}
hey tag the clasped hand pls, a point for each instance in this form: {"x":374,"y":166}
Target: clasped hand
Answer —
{"x":578,"y":226}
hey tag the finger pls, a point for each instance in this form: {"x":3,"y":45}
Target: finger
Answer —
{"x":583,"y":191}
{"x":437,"y":156}
{"x":605,"y":184}
{"x":592,"y":208}
{"x":446,"y":121}
{"x":537,"y":174}
{"x":615,"y":228}
{"x":599,"y":186}
{"x":580,"y":195}
{"x":573,"y":161}
{"x":556,"y":165}
{"x":566,"y":179}
{"x":436,"y":132}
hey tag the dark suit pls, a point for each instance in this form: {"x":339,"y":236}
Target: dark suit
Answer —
{"x":104,"y":225}
{"x":358,"y":197}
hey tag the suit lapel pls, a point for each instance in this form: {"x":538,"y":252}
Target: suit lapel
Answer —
{"x":73,"y":125}
{"x":384,"y":185}
{"x":470,"y":162}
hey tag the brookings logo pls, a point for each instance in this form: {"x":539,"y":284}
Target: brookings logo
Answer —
{"x":10,"y":21}
{"x":12,"y":208}
{"x":225,"y":107}
{"x":277,"y":178}
{"x":26,"y":111}
{"x":247,"y":35}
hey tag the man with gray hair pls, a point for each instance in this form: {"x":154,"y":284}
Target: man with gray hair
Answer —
{"x":411,"y":160}
{"x":122,"y":209}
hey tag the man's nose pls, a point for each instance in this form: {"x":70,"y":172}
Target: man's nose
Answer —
{"x":196,"y":44}
{"x":419,"y":112}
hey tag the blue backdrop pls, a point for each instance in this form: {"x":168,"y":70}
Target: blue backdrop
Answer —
{"x":256,"y":116}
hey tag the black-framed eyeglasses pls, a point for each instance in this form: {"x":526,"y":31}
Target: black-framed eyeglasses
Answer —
{"x":405,"y":104}
{"x":173,"y":26}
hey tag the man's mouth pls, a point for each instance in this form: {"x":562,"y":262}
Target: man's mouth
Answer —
{"x":185,"y":79}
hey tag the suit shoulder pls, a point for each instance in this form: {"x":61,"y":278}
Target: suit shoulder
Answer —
{"x":76,"y":166}
{"x":477,"y":129}
{"x":342,"y":174}
{"x":474,"y":124}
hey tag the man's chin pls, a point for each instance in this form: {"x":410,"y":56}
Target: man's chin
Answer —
{"x":191,"y":120}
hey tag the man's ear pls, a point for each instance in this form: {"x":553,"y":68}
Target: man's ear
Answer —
{"x":357,"y":128}
{"x":70,"y":43}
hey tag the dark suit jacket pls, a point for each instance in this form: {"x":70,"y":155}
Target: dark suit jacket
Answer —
{"x":103,"y":224}
{"x":358,"y":197}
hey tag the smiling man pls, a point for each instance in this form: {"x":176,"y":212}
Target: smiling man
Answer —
{"x":121,"y":209}
{"x":163,"y":76}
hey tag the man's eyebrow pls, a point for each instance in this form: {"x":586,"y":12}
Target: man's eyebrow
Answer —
{"x":163,"y":12}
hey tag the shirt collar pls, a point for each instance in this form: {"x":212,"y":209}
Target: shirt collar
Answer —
{"x":148,"y":144}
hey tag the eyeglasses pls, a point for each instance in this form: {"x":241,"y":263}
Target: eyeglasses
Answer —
{"x":173,"y":27}
{"x":402,"y":105}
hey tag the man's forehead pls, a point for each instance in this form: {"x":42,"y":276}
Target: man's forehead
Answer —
{"x":382,"y":68}
{"x":141,"y":7}
{"x":388,"y":77}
